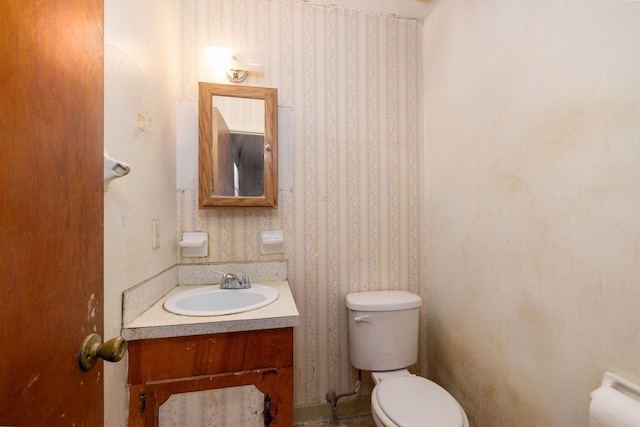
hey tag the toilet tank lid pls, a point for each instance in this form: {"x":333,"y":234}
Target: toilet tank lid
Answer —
{"x":383,"y":300}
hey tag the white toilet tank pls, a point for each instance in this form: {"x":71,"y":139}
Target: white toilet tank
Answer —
{"x":383,"y":329}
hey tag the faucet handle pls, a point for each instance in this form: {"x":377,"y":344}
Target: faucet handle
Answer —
{"x":224,"y":275}
{"x":246,"y":282}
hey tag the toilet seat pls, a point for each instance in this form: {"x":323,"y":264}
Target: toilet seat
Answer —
{"x":415,"y":401}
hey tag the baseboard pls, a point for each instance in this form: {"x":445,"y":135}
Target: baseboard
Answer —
{"x":319,"y":412}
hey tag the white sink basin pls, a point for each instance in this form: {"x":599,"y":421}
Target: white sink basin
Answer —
{"x":213,"y":301}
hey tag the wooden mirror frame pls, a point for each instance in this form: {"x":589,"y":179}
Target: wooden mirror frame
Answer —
{"x":206,"y":146}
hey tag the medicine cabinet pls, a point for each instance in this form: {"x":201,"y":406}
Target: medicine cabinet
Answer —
{"x":238,"y":146}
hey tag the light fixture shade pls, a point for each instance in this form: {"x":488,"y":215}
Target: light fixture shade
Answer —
{"x":246,"y":61}
{"x":235,"y":64}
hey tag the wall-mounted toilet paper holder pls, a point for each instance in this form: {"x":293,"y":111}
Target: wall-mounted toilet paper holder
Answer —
{"x":609,"y":379}
{"x":615,"y":403}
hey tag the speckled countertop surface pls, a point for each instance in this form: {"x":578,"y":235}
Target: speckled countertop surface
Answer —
{"x":156,"y":322}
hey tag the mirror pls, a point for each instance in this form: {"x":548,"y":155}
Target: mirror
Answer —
{"x":238,"y":146}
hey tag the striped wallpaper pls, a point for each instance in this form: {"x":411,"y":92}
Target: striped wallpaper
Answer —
{"x":234,"y":406}
{"x":353,"y":220}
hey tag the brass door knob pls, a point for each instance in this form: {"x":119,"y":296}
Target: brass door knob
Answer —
{"x":92,"y":348}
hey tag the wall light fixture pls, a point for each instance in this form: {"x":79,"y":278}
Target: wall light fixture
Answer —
{"x":235,"y":64}
{"x":242,"y":63}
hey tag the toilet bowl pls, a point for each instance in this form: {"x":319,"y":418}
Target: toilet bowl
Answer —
{"x":403,"y":399}
{"x":383,"y":339}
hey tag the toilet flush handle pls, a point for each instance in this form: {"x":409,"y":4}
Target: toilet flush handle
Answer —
{"x":365,"y":319}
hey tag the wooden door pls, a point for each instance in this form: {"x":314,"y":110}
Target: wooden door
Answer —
{"x":51,"y":205}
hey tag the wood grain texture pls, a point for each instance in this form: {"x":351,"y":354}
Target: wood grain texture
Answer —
{"x":163,"y":358}
{"x":51,"y":185}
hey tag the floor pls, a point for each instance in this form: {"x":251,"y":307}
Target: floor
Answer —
{"x":364,"y":421}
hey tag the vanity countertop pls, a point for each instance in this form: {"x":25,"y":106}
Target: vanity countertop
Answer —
{"x":157,"y":322}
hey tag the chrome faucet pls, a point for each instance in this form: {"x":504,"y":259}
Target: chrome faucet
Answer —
{"x":231,"y":281}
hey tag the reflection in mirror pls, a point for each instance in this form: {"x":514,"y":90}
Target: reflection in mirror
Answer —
{"x":238,"y":125}
{"x":238,"y":146}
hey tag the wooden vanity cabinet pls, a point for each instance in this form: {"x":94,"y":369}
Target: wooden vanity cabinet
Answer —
{"x":159,"y":368}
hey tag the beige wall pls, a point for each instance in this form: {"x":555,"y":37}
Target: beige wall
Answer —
{"x":140,"y":78}
{"x":532,"y":114}
{"x":352,"y":85}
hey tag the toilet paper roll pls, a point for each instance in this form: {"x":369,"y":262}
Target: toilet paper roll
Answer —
{"x":612,"y":408}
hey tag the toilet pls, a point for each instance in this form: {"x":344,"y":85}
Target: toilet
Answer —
{"x":383,"y":339}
